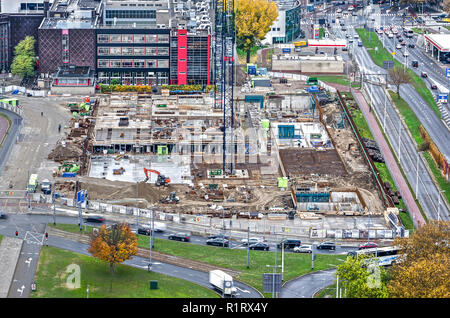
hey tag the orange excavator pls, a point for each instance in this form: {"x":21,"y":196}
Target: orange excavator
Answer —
{"x":162,"y":180}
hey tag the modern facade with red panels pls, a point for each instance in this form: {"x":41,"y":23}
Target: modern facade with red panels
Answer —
{"x":190,"y":58}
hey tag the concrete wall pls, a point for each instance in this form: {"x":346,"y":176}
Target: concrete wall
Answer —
{"x":308,"y":66}
{"x":73,"y":90}
{"x":9,"y":254}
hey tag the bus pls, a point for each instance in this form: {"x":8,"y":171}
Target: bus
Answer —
{"x":384,"y":256}
{"x":32,"y":183}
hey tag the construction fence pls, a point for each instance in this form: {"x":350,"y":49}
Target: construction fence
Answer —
{"x":208,"y":225}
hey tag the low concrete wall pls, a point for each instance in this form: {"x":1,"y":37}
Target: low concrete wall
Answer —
{"x":73,"y":90}
{"x":308,"y":66}
{"x":9,"y":254}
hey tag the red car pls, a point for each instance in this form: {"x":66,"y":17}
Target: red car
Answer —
{"x":368,"y":245}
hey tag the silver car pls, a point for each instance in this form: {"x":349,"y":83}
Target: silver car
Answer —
{"x":303,"y":249}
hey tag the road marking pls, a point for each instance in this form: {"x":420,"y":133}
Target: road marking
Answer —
{"x":21,"y":290}
{"x":243,"y":290}
{"x":28,"y":261}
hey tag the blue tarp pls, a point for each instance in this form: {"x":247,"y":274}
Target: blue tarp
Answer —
{"x":15,"y":92}
{"x":313,"y":89}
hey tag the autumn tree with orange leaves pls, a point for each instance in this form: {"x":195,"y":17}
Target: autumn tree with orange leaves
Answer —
{"x":114,"y":244}
{"x":424,"y":271}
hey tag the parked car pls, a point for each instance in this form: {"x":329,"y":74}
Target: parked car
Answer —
{"x":424,"y":74}
{"x":184,"y":237}
{"x":260,"y":246}
{"x":326,"y":246}
{"x":251,"y":240}
{"x":368,"y":245}
{"x":289,"y":244}
{"x":217,"y":242}
{"x":220,"y":235}
{"x":95,"y":219}
{"x":433,"y":86}
{"x":303,"y":249}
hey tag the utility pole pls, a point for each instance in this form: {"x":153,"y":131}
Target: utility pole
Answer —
{"x":337,"y":287}
{"x":399,"y":142}
{"x":137,"y":208}
{"x":54,"y":209}
{"x":248,"y":247}
{"x":439,"y":204}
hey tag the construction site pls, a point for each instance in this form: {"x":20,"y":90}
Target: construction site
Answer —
{"x":295,"y":155}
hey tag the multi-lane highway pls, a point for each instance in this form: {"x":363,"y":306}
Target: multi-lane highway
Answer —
{"x":413,"y":166}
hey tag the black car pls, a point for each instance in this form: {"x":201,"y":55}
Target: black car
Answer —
{"x":144,"y":230}
{"x":289,"y":243}
{"x":326,"y":246}
{"x":2,"y":215}
{"x":217,"y":242}
{"x":223,"y":236}
{"x":183,"y":237}
{"x":260,"y":246}
{"x":415,"y":63}
{"x":411,"y":45}
{"x":433,"y":86}
{"x":95,"y":219}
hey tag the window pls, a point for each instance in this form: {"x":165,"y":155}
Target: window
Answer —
{"x":151,"y":50}
{"x":151,"y":38}
{"x":139,"y":64}
{"x":139,"y":38}
{"x":116,"y":38}
{"x":163,"y":51}
{"x":127,"y":38}
{"x":115,"y":63}
{"x":151,"y":63}
{"x":115,"y":51}
{"x":103,"y":63}
{"x":139,"y":51}
{"x":127,"y":63}
{"x":163,"y":63}
{"x":103,"y":51}
{"x":163,"y":38}
{"x":127,"y":51}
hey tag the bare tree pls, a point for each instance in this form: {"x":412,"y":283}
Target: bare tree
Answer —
{"x":447,"y":6}
{"x":399,"y":75}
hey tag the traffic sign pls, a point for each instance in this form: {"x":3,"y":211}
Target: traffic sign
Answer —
{"x":447,"y":72}
{"x":443,"y":97}
{"x":80,"y":196}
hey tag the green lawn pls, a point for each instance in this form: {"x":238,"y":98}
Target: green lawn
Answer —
{"x":321,"y":33}
{"x":327,"y":292}
{"x":127,"y":281}
{"x":408,"y":115}
{"x":443,"y":183}
{"x":418,"y":30}
{"x":382,"y":54}
{"x":295,"y":264}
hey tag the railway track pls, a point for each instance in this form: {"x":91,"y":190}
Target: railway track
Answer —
{"x":145,"y":253}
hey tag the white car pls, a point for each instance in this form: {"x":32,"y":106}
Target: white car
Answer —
{"x":405,"y":54}
{"x":399,"y":46}
{"x":252,"y":240}
{"x":390,"y":35}
{"x":303,"y":249}
{"x":338,"y":10}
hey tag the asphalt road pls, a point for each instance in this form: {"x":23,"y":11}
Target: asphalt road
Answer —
{"x":307,"y":285}
{"x":428,"y":193}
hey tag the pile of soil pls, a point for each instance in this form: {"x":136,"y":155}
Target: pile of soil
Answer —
{"x":126,"y":190}
{"x":69,"y":152}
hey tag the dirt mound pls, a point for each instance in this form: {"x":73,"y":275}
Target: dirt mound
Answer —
{"x":147,"y":191}
{"x":69,"y":152}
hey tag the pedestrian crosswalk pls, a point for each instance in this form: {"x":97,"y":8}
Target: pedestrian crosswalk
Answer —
{"x":445,"y":113}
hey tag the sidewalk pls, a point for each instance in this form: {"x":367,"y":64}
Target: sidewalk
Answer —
{"x":9,"y":254}
{"x":388,"y":156}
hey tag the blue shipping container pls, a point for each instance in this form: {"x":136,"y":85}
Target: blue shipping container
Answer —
{"x":69,"y":174}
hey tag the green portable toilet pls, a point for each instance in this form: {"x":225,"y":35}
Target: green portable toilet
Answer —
{"x":265,"y":123}
{"x":282,"y":182}
{"x":163,"y":150}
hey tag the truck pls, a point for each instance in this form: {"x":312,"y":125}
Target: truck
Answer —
{"x":32,"y":183}
{"x":222,"y":282}
{"x":46,"y":186}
